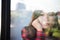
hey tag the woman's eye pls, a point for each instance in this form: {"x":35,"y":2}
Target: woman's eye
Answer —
{"x":41,"y":14}
{"x":51,"y":15}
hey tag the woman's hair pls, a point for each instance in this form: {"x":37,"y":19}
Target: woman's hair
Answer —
{"x":35,"y":15}
{"x":58,"y":13}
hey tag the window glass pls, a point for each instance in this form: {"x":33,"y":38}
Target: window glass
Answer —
{"x":22,"y":10}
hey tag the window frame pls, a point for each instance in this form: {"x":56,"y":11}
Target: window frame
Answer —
{"x":5,"y":20}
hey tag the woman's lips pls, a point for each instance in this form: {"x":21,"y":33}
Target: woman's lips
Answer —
{"x":47,"y":24}
{"x":44,"y":23}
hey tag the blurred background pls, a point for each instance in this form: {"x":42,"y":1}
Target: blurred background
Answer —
{"x":22,"y":10}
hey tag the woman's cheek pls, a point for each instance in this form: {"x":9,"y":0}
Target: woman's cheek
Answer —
{"x":51,"y":19}
{"x":40,"y":19}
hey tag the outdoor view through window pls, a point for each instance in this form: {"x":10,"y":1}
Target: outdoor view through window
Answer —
{"x":35,"y":20}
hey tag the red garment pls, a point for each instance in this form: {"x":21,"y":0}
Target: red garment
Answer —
{"x":39,"y":35}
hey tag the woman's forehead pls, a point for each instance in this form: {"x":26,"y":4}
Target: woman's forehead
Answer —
{"x":47,"y":13}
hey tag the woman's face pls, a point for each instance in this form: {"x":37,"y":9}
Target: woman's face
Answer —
{"x":46,"y":19}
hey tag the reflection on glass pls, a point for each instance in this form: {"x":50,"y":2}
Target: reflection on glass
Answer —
{"x":22,"y":11}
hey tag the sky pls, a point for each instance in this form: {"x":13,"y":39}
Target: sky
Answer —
{"x":45,"y":5}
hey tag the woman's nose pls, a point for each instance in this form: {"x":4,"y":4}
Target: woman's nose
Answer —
{"x":46,"y":18}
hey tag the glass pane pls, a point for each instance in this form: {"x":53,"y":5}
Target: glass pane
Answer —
{"x":21,"y":16}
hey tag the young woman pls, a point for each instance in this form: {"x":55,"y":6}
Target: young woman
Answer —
{"x":41,"y":26}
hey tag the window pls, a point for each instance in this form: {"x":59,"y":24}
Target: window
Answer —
{"x":22,"y":10}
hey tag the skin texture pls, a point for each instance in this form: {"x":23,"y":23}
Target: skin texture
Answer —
{"x":45,"y":20}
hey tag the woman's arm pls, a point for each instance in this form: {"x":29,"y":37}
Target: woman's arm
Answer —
{"x":40,"y":35}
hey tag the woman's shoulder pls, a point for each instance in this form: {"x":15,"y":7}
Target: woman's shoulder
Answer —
{"x":25,"y":28}
{"x":28,"y":29}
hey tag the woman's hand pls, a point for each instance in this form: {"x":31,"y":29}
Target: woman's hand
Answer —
{"x":37,"y":25}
